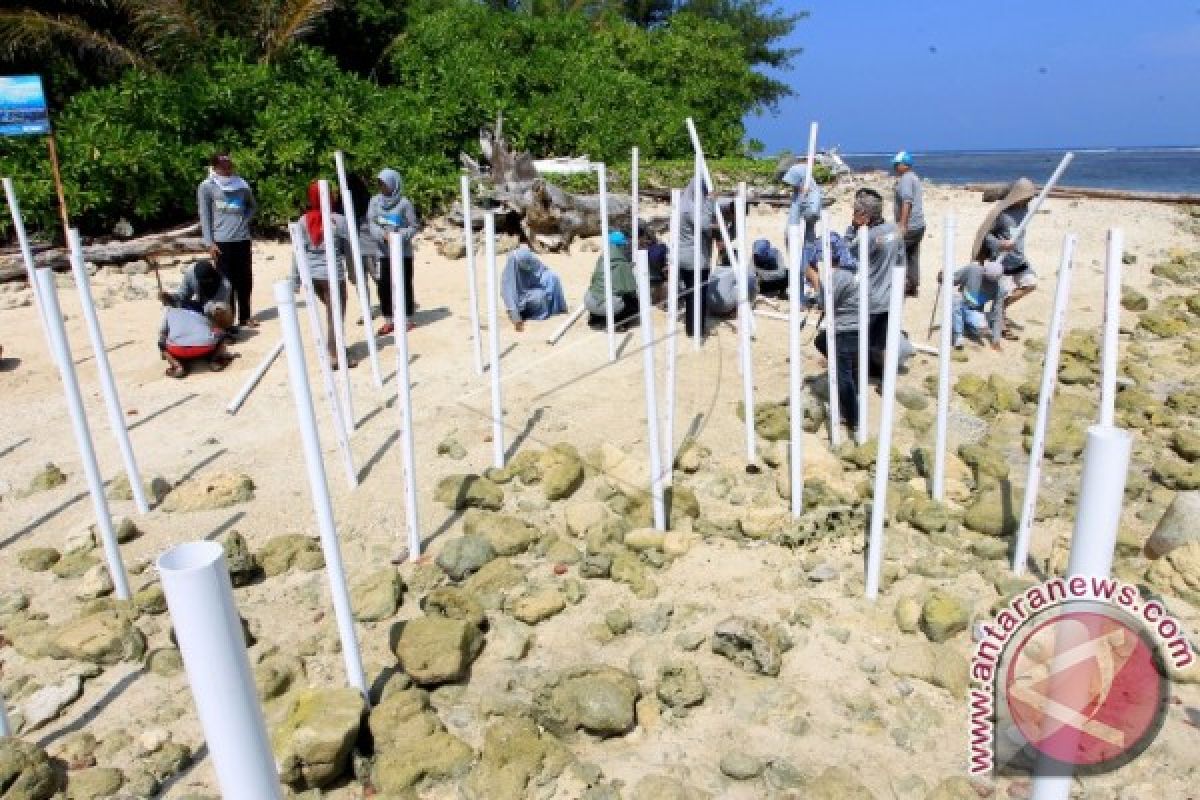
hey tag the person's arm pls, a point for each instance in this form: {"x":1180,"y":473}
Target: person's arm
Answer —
{"x":163,"y":330}
{"x":905,"y":212}
{"x":906,"y":196}
{"x":251,"y":204}
{"x":374,"y":223}
{"x":223,"y":296}
{"x":204,"y":206}
{"x":412,"y":222}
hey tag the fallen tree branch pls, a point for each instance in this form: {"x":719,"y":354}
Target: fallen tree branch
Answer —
{"x":994,"y":191}
{"x":179,"y":241}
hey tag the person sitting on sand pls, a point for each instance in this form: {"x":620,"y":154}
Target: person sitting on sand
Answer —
{"x":187,"y":336}
{"x":657,"y":256}
{"x":978,"y":303}
{"x":624,"y":285}
{"x":806,"y":204}
{"x":391,"y":212}
{"x":530,"y":289}
{"x":203,"y":288}
{"x":770,"y":270}
{"x":722,"y":291}
{"x":994,"y":242}
{"x":313,"y":233}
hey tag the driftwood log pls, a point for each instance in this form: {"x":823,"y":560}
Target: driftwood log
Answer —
{"x":177,"y":242}
{"x":994,"y":191}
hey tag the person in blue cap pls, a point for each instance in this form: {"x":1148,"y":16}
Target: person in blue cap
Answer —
{"x":910,"y":218}
{"x":624,"y":284}
{"x":772,"y":273}
{"x":806,"y":203}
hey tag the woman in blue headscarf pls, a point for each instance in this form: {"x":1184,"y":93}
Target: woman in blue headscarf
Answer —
{"x":530,"y":290}
{"x":391,"y":212}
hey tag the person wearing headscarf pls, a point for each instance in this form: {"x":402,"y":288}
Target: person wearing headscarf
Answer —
{"x":203,"y":288}
{"x":530,"y":289}
{"x":693,"y":220}
{"x":885,"y":250}
{"x":806,"y":203}
{"x":226,"y":206}
{"x":624,"y":284}
{"x":910,"y":218}
{"x":391,"y":212}
{"x":994,"y":242}
{"x":324,"y":274}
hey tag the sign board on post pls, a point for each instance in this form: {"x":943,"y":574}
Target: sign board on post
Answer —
{"x":23,"y":109}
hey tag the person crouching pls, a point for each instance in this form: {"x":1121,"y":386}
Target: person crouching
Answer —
{"x":188,"y":336}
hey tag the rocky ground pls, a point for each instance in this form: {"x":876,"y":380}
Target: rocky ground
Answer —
{"x":553,"y":645}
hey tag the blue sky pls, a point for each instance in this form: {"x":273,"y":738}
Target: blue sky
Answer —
{"x":940,"y":75}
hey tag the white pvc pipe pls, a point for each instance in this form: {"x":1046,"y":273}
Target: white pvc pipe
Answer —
{"x":1093,"y":542}
{"x":1045,"y":396}
{"x":672,"y":335}
{"x":883,"y":457}
{"x":314,"y":321}
{"x":795,"y":245}
{"x":404,"y":404}
{"x":108,"y":385}
{"x":14,"y":207}
{"x":745,"y":356}
{"x":646,"y":310}
{"x":5,"y":724}
{"x":472,"y":292}
{"x":697,"y":254}
{"x":335,"y":302}
{"x":864,"y":329}
{"x":61,"y":347}
{"x":195,"y":580}
{"x":945,"y":345}
{"x":1112,"y":325}
{"x":1036,"y":205}
{"x":609,"y":323}
{"x":315,"y":463}
{"x":835,"y":417}
{"x":812,"y":155}
{"x":571,"y":319}
{"x":489,"y":257}
{"x":633,"y":200}
{"x":360,"y":275}
{"x":236,"y":403}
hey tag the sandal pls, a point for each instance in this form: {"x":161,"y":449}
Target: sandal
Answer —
{"x":218,"y":364}
{"x":175,"y":372}
{"x":251,"y":323}
{"x":1012,"y":337}
{"x":385,"y":329}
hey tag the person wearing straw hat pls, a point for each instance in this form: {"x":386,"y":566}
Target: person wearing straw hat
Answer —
{"x":226,"y":206}
{"x":391,"y":212}
{"x":688,"y":215}
{"x":994,"y":243}
{"x":624,"y":285}
{"x":530,"y":289}
{"x":910,"y":218}
{"x":313,"y":233}
{"x":806,"y":203}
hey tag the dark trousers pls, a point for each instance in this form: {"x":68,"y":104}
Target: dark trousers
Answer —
{"x":321,"y":290}
{"x":912,"y":255}
{"x":847,"y":372}
{"x":691,"y":296}
{"x":876,"y":343}
{"x":385,"y":288}
{"x":235,"y":263}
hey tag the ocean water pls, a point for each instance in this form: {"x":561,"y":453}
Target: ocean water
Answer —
{"x":1151,"y":170}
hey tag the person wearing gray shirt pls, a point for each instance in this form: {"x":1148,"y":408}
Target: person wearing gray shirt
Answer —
{"x":844,"y":287}
{"x":226,"y":206}
{"x":910,"y":218}
{"x":390,"y":211}
{"x":689,"y":220}
{"x":884,"y":251}
{"x":979,"y":302}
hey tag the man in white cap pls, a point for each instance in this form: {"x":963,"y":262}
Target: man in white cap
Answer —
{"x":910,"y":218}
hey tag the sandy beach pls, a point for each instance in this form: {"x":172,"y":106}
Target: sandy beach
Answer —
{"x":840,"y":698}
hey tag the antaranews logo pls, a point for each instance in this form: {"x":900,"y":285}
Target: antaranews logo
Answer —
{"x":1071,"y":676}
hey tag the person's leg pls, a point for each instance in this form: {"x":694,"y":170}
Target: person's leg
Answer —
{"x":410,"y":299}
{"x":688,"y":295}
{"x":321,"y":290}
{"x":384,"y":287}
{"x":912,"y":254}
{"x":957,"y":321}
{"x":246,"y":256}
{"x":220,"y":359}
{"x":847,"y":369}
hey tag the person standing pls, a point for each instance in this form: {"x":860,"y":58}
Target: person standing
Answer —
{"x":806,"y":203}
{"x":391,"y":212}
{"x":844,"y":292}
{"x":327,"y":277}
{"x":689,"y":218}
{"x":884,"y":251}
{"x":910,"y":218}
{"x":226,"y":206}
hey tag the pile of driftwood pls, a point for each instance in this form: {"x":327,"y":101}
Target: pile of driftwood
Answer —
{"x":182,"y":241}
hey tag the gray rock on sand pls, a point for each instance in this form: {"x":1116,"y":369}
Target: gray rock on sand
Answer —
{"x":94,"y":783}
{"x":680,"y":685}
{"x":38,"y":559}
{"x":155,"y":489}
{"x":452,"y":449}
{"x":290,"y":551}
{"x":741,"y":766}
{"x":104,"y":637}
{"x":458,"y":492}
{"x":750,"y":643}
{"x":937,"y":664}
{"x":837,"y":783}
{"x":312,"y":745}
{"x":516,"y":757}
{"x":562,"y":472}
{"x":599,"y":699}
{"x":1177,"y":527}
{"x":994,"y":512}
{"x":412,"y":745}
{"x":942,"y":616}
{"x":210,"y":491}
{"x":465,"y":555}
{"x":508,"y":535}
{"x":13,"y":601}
{"x":377,"y":596}
{"x":434,"y":650}
{"x":243,"y":566}
{"x":47,"y":703}
{"x":538,"y":605}
{"x":26,"y":772}
{"x":48,"y":477}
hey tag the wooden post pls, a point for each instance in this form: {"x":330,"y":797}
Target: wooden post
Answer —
{"x":58,"y":184}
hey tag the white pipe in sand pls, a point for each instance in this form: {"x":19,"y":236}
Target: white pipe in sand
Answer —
{"x":883,"y":457}
{"x":633,"y":200}
{"x":14,"y":207}
{"x":315,"y":463}
{"x":864,"y":330}
{"x":314,"y":321}
{"x":335,"y":302}
{"x":571,"y":319}
{"x":195,"y":580}
{"x":5,"y":725}
{"x":1045,"y":396}
{"x":472,"y":292}
{"x":697,"y":255}
{"x":745,"y":321}
{"x":360,"y":275}
{"x":795,"y":246}
{"x":489,"y":258}
{"x":1036,"y":205}
{"x":672,"y":334}
{"x":1093,"y":542}
{"x":646,"y":311}
{"x":236,"y":403}
{"x":945,"y":343}
{"x":108,"y":385}
{"x":811,"y":157}
{"x":1112,"y":326}
{"x":404,"y":403}
{"x":831,"y":357}
{"x":61,"y":347}
{"x":609,"y":323}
